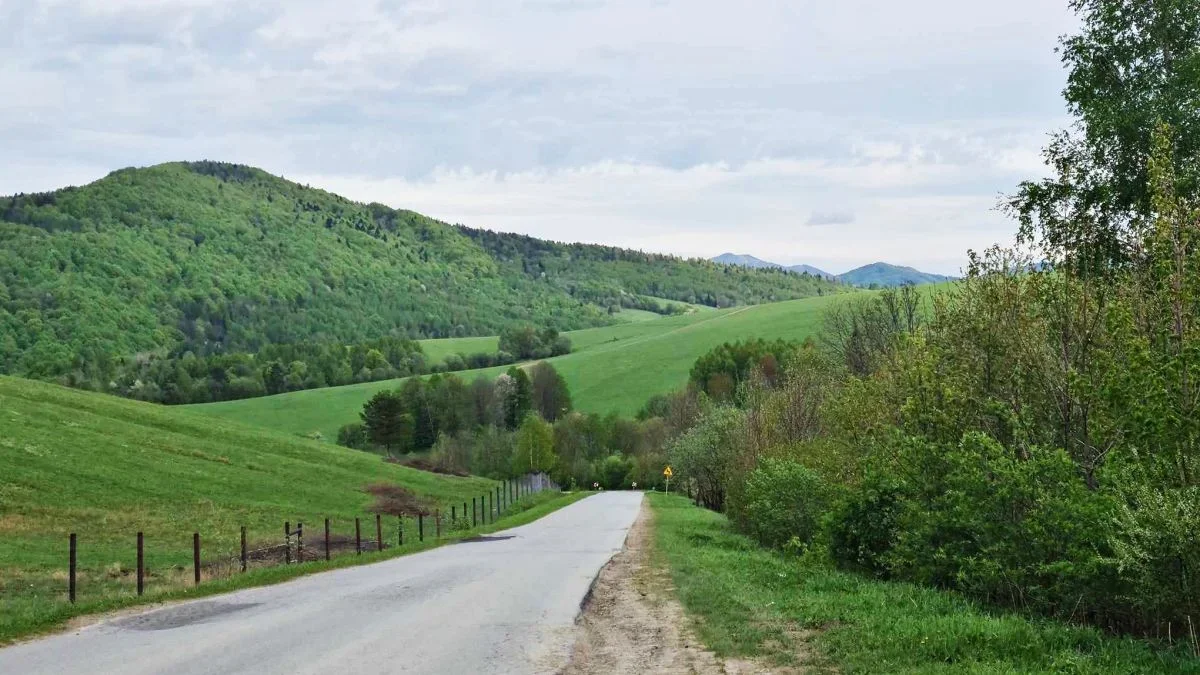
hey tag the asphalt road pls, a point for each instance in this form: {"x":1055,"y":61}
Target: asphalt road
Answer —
{"x":503,"y":605}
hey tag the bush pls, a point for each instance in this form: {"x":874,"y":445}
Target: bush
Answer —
{"x":784,"y":500}
{"x":863,"y":527}
{"x":705,"y":455}
{"x":1157,"y":549}
{"x":354,"y":435}
{"x":1027,"y":533}
{"x":613,"y":472}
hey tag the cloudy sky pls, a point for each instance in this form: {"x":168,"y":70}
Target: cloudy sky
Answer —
{"x":831,"y":133}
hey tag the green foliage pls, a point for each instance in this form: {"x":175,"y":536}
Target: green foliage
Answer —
{"x":527,"y":342}
{"x":551,"y":396}
{"x":1024,"y":532}
{"x":515,"y":392}
{"x":606,"y":370}
{"x":788,"y":612}
{"x":388,"y":422}
{"x":212,"y":258}
{"x":1132,"y":66}
{"x":613,"y":472}
{"x":864,"y":526}
{"x":535,"y":446}
{"x":613,"y":277}
{"x":785,"y":500}
{"x":705,"y":454}
{"x":354,"y":435}
{"x":719,"y":372}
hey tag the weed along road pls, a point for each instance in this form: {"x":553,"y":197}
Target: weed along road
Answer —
{"x":504,"y":603}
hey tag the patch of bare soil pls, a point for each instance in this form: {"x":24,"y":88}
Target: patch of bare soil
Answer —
{"x":631,"y":622}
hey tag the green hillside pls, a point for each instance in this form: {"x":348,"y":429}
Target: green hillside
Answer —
{"x":612,"y":368}
{"x":107,"y":468}
{"x":213,"y":258}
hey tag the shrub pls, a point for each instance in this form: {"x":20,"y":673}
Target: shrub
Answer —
{"x":704,"y":456}
{"x":784,"y":500}
{"x":863,"y":527}
{"x":613,"y":472}
{"x":354,"y":435}
{"x":1022,"y":532}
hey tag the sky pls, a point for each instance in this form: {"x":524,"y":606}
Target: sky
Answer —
{"x":799,"y":131}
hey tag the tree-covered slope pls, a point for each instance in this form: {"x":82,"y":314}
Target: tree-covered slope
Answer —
{"x":211,"y":258}
{"x":606,"y":275}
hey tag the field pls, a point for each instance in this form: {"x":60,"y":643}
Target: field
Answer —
{"x":613,"y":369}
{"x":107,"y":468}
{"x":750,"y":602}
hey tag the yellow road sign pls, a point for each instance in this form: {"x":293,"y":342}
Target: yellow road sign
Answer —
{"x":667,"y":472}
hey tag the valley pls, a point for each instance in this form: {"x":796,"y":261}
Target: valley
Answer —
{"x":613,"y":369}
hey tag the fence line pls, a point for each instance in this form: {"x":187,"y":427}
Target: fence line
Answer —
{"x":491,"y":505}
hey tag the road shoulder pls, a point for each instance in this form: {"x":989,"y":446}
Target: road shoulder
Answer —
{"x":632,"y":623}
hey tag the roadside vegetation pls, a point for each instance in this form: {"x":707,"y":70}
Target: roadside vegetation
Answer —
{"x":1029,"y":439}
{"x":748,"y":601}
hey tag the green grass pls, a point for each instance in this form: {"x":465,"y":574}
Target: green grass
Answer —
{"x":750,"y":602}
{"x":611,"y":369}
{"x":106,"y":468}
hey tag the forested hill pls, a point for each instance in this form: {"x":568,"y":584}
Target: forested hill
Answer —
{"x":211,"y":258}
{"x":607,"y":276}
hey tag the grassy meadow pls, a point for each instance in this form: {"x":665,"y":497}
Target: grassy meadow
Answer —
{"x":613,"y":369}
{"x":106,"y":468}
{"x":746,"y":601}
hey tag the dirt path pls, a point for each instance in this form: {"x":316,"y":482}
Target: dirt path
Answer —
{"x":631,"y":623}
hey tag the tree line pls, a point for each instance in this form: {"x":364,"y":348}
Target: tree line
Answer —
{"x":279,"y":368}
{"x":521,"y":422}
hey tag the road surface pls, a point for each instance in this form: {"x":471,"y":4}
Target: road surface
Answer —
{"x":503,"y":605}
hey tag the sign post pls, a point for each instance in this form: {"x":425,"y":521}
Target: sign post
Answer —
{"x":668,"y":473}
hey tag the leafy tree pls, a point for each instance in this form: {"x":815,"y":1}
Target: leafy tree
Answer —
{"x":274,"y":377}
{"x":721,"y":370}
{"x":551,"y":396}
{"x":535,"y":446}
{"x":388,"y":423}
{"x":1134,"y":64}
{"x":516,"y":394}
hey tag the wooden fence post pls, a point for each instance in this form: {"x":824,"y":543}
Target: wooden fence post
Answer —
{"x":299,"y":542}
{"x":474,"y":520}
{"x":379,"y":532}
{"x":244,"y":548}
{"x":453,"y":514}
{"x":71,"y":583}
{"x":327,"y":539}
{"x":437,"y":524}
{"x":357,"y":537}
{"x":287,"y":543}
{"x":196,"y":557}
{"x":400,"y":526}
{"x":420,"y":527}
{"x":141,"y":565}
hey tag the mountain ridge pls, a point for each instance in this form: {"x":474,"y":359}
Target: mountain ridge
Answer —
{"x":878,"y":273}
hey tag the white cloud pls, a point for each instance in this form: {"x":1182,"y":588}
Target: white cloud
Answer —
{"x":694,"y":126}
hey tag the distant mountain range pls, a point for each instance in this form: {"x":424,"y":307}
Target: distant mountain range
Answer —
{"x":879,"y":274}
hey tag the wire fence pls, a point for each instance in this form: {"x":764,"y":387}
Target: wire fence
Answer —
{"x":161,"y":566}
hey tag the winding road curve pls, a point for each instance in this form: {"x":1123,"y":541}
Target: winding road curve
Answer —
{"x":503,"y":604}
